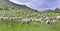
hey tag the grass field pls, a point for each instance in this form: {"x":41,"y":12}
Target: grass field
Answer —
{"x":7,"y":25}
{"x":15,"y":25}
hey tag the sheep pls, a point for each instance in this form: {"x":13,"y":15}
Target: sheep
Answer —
{"x":50,"y":21}
{"x":33,"y":19}
{"x":37,"y":20}
{"x":5,"y":18}
{"x":58,"y":17}
{"x":25,"y":20}
{"x":13,"y":18}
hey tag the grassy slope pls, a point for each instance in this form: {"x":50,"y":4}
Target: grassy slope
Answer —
{"x":7,"y":25}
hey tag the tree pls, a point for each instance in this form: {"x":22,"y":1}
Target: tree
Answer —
{"x":57,"y":10}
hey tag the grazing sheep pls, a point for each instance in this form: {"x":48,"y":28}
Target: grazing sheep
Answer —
{"x":58,"y":17}
{"x":50,"y":21}
{"x":13,"y":18}
{"x":25,"y":20}
{"x":5,"y":18}
{"x":37,"y":20}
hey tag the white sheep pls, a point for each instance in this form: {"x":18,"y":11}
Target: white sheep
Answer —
{"x":50,"y":21}
{"x":37,"y":20}
{"x":13,"y":18}
{"x":5,"y":18}
{"x":58,"y":17}
{"x":25,"y":20}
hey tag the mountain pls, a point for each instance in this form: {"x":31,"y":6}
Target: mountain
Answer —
{"x":20,"y":6}
{"x":13,"y":4}
{"x":49,"y":10}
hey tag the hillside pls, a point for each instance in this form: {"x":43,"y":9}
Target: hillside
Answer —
{"x":13,"y":4}
{"x":6,"y":5}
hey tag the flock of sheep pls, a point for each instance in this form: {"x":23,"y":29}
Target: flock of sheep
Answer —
{"x":28,"y":20}
{"x":40,"y":20}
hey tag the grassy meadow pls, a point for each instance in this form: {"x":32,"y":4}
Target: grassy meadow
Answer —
{"x":8,"y":25}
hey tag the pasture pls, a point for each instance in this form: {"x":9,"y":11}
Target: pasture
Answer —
{"x":16,"y":25}
{"x":7,"y":25}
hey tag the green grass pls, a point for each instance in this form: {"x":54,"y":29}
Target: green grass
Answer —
{"x":7,"y":25}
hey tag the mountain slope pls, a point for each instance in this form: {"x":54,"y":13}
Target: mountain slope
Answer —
{"x":15,"y":5}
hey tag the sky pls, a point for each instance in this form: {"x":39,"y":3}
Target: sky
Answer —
{"x":39,"y":4}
